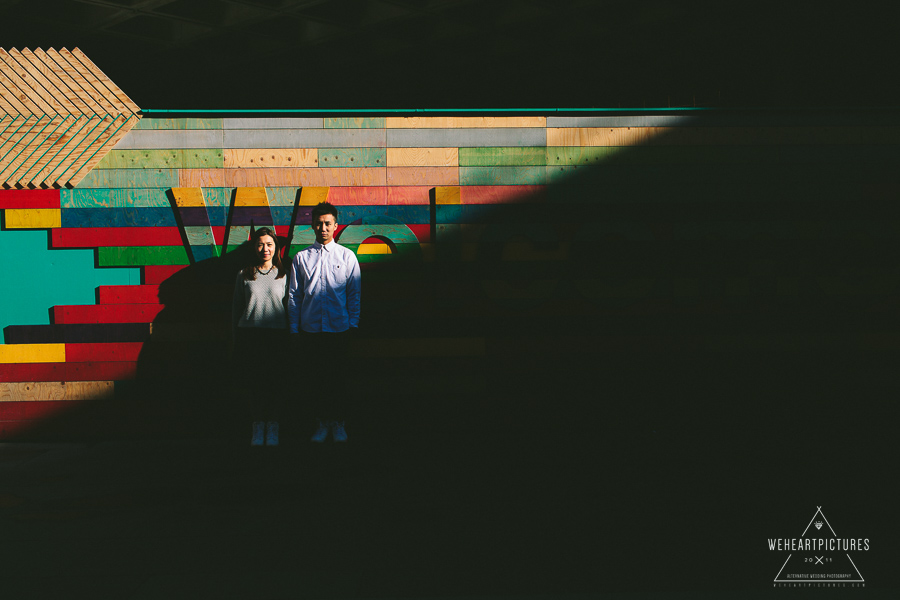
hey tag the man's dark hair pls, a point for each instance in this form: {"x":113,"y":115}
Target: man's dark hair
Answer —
{"x":324,"y":208}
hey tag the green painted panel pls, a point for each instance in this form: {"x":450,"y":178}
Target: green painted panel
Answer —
{"x":565,"y":155}
{"x":141,"y":159}
{"x":495,"y":157}
{"x":199,"y":235}
{"x":130,"y":178}
{"x":526,"y":175}
{"x":136,"y":256}
{"x":55,"y":277}
{"x":202,"y":158}
{"x":354,"y":123}
{"x":185,"y":123}
{"x":352,"y":157}
{"x":114,"y":198}
{"x":217,"y":202}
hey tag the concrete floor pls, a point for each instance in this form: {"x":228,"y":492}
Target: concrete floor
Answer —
{"x":522,"y":514}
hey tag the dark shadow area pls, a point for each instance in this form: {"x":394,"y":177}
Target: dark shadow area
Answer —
{"x":683,"y":355}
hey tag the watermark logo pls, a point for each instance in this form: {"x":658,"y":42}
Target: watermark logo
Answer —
{"x":819,"y":558}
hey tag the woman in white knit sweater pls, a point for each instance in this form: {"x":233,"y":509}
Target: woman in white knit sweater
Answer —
{"x":259,"y":323}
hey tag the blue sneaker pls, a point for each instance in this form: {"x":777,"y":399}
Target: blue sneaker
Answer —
{"x":272,"y":433}
{"x":259,"y":433}
{"x":338,"y":433}
{"x":321,"y":432}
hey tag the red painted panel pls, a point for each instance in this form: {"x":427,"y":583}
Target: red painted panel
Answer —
{"x":20,"y":411}
{"x":421,"y":231}
{"x":128,"y":294}
{"x":93,"y":237}
{"x":501,"y":194}
{"x":29,"y":199}
{"x":100,"y":371}
{"x":114,"y":352}
{"x":106,"y":313}
{"x":379,"y":195}
{"x":155,"y":274}
{"x":33,"y":372}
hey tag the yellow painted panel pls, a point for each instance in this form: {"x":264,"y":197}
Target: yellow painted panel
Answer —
{"x":446,"y":195}
{"x":251,"y":196}
{"x":39,"y":391}
{"x":310,"y":196}
{"x":188,"y":197}
{"x":271,"y":157}
{"x":33,"y":218}
{"x":374,"y":249}
{"x":32,"y":353}
{"x":423,"y":157}
{"x":454,"y":122}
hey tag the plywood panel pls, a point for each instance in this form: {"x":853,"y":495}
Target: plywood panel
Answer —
{"x":100,"y":371}
{"x":311,"y":195}
{"x":302,"y":177}
{"x":447,"y":195}
{"x":201,"y":178}
{"x":423,"y":157}
{"x":462,"y":122}
{"x":251,"y":196}
{"x":463,"y":138}
{"x":502,"y":194}
{"x":181,"y":123}
{"x":726,"y":136}
{"x":379,"y":195}
{"x":503,"y":175}
{"x":257,"y":158}
{"x":42,"y":391}
{"x":493,"y":156}
{"x":161,"y":139}
{"x":301,"y":138}
{"x":422,"y":176}
{"x":274,"y":123}
{"x":114,"y":198}
{"x":352,"y":157}
{"x":354,"y":122}
{"x":32,"y":218}
{"x":135,"y":178}
{"x":32,"y":353}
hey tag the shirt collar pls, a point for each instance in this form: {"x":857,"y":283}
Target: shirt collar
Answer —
{"x":321,"y":247}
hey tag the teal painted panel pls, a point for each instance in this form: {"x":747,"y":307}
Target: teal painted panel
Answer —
{"x":130,"y":178}
{"x":114,"y":198}
{"x":282,"y":196}
{"x":60,"y":277}
{"x":525,"y":175}
{"x":217,"y":202}
{"x":354,"y":123}
{"x":352,"y":157}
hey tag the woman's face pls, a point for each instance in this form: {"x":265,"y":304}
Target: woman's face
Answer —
{"x":265,"y":248}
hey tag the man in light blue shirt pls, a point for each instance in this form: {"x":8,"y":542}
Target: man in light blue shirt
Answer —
{"x":323,"y":311}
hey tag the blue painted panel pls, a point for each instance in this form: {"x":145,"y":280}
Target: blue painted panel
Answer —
{"x":118,"y":217}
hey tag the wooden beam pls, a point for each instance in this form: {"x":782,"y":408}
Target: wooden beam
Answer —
{"x":40,"y":391}
{"x":462,"y":122}
{"x":32,"y":218}
{"x":423,"y":157}
{"x":256,"y":158}
{"x":32,"y":353}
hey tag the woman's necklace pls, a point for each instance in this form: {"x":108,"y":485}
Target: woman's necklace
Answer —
{"x":261,"y":272}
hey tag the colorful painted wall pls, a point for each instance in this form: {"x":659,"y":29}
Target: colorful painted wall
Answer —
{"x":615,"y":265}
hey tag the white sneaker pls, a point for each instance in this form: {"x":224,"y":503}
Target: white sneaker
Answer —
{"x":259,"y":433}
{"x":321,"y":433}
{"x":338,"y":433}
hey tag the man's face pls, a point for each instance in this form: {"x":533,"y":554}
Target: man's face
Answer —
{"x":324,"y":226}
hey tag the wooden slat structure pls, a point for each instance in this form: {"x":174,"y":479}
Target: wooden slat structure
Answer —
{"x":59,"y":116}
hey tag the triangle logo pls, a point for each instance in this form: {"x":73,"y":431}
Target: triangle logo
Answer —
{"x":819,"y":555}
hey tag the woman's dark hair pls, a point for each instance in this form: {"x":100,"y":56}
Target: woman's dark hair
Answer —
{"x":250,"y":272}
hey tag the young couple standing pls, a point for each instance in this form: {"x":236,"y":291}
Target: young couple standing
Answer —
{"x":321,"y":314}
